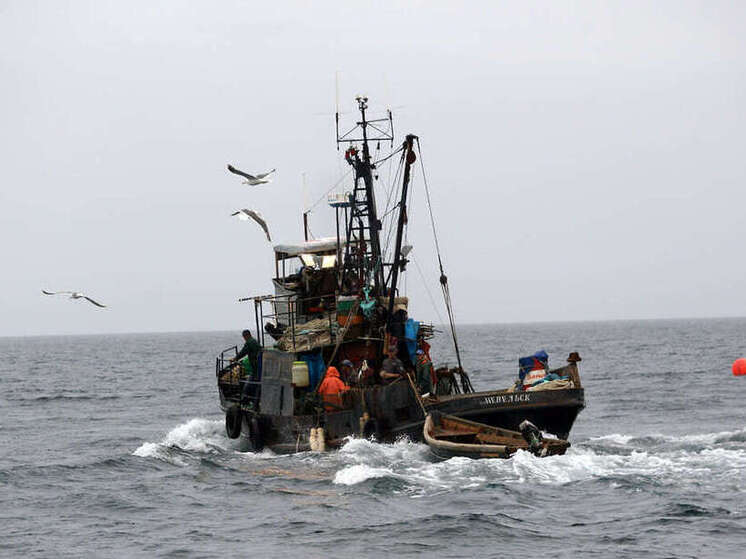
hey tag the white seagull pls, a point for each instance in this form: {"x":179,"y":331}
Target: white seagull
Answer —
{"x":252,"y":180}
{"x":73,"y":295}
{"x":245,"y":215}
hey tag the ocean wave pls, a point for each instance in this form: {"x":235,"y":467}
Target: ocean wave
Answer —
{"x":404,"y":466}
{"x":661,"y":442}
{"x":27,"y":400}
{"x":198,"y":435}
{"x":410,"y":464}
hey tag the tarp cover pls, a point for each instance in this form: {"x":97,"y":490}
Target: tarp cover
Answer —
{"x":411,"y":327}
{"x":538,"y":360}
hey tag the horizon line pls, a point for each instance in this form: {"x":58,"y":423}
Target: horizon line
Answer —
{"x":507,"y":323}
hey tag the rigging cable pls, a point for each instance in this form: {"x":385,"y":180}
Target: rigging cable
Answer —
{"x":410,"y":212}
{"x":388,"y":182}
{"x":336,"y":184}
{"x":427,"y":288}
{"x":389,"y":208}
{"x":389,"y":156}
{"x":465,"y":382}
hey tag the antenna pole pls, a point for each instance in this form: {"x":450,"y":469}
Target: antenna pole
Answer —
{"x":336,"y":104}
{"x":363,"y":261}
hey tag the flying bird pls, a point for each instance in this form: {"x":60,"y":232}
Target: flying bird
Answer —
{"x":245,"y":215}
{"x":252,"y":180}
{"x":73,"y":295}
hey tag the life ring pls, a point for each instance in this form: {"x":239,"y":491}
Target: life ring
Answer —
{"x":233,"y":422}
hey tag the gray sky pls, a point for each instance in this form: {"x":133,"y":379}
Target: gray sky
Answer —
{"x":586,"y":159}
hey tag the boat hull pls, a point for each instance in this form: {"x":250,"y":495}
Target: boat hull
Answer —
{"x":450,"y":436}
{"x":394,"y":413}
{"x":553,"y":411}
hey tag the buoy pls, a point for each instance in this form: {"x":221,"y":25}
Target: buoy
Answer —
{"x":739,"y":367}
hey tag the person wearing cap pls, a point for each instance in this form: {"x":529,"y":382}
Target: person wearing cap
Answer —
{"x":424,"y":372}
{"x":392,"y":367}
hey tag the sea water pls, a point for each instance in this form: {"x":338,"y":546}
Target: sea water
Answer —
{"x":114,"y":446}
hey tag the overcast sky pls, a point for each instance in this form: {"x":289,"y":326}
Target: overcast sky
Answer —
{"x":586,"y":159}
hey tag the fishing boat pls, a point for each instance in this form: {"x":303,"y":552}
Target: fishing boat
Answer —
{"x":449,"y":436}
{"x":341,"y":299}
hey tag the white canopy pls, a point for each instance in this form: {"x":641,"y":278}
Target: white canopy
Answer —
{"x":317,"y":246}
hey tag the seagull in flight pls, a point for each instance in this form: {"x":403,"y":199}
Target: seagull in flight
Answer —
{"x":73,"y":295}
{"x":252,"y":180}
{"x":245,"y":215}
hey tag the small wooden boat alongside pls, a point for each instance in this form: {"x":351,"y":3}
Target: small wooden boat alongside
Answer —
{"x":449,"y":436}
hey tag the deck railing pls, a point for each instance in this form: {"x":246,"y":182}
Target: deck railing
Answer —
{"x":297,"y":311}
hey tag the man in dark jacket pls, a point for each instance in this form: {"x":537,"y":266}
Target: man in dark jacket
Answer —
{"x":250,"y":349}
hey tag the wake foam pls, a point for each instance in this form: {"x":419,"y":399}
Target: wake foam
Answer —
{"x":660,"y":460}
{"x":363,"y":459}
{"x":203,"y":436}
{"x":657,"y":459}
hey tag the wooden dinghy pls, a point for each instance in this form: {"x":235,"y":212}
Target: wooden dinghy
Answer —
{"x":449,"y":436}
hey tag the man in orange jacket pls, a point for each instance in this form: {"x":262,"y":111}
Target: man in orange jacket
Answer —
{"x":331,"y":390}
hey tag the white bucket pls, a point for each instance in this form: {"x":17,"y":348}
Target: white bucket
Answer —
{"x":300,"y":374}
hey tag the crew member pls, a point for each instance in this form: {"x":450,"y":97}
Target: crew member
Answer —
{"x":424,"y":372}
{"x":331,"y":390}
{"x":392,"y":366}
{"x":250,"y":349}
{"x":397,"y":331}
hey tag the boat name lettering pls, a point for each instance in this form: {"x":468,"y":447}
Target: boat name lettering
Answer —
{"x":506,"y":399}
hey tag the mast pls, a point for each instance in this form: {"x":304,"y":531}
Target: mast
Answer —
{"x":374,"y":224}
{"x":409,"y":158}
{"x":363,"y":261}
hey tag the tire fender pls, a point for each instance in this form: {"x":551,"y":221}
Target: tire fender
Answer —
{"x":233,"y":422}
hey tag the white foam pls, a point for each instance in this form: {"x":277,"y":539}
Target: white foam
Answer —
{"x":196,"y":435}
{"x":359,"y":473}
{"x":265,"y":454}
{"x":146,"y":449}
{"x":159,"y":452}
{"x":614,"y":438}
{"x":660,"y":459}
{"x":411,"y":463}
